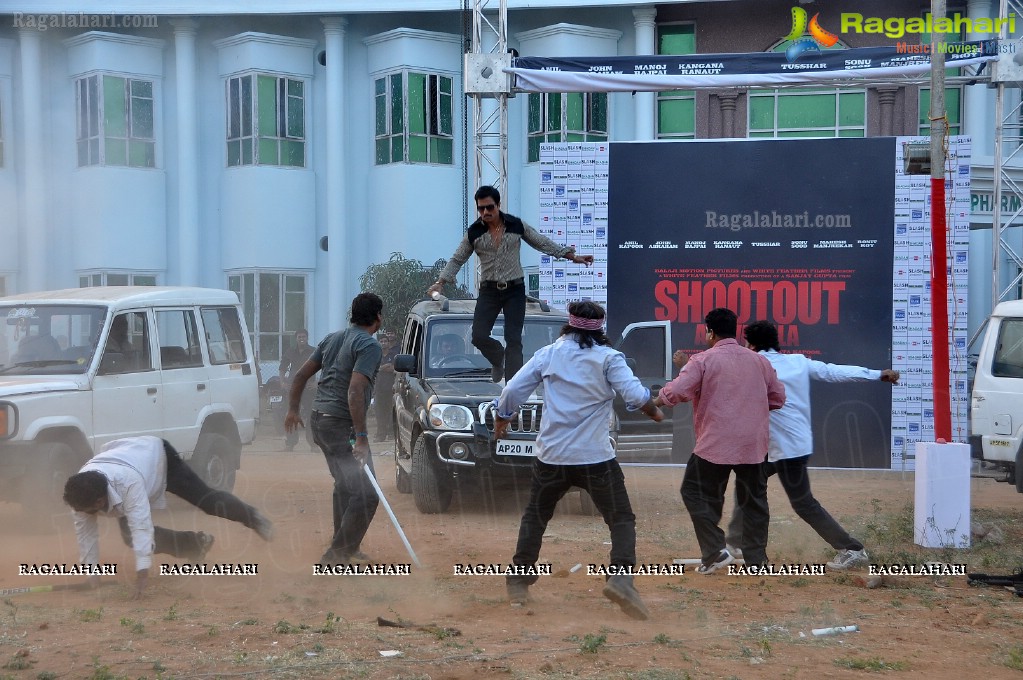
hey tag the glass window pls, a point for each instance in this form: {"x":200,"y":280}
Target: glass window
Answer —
{"x":115,"y":122}
{"x":676,"y":109}
{"x":953,"y":109}
{"x":413,"y":115}
{"x":265,"y":121}
{"x":116,"y":279}
{"x":127,"y":346}
{"x":565,"y":117}
{"x":1008,"y":359}
{"x":178,"y":335}
{"x":274,"y":305}
{"x":1,"y":135}
{"x":48,"y":339}
{"x":224,"y":335}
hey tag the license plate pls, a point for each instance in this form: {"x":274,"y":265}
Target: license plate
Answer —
{"x":276,"y":400}
{"x":512,"y":447}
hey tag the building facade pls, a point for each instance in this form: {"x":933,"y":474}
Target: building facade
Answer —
{"x":280,"y":154}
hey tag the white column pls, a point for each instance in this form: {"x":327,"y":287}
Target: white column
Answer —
{"x":337,"y":250}
{"x":187,"y":273}
{"x":978,"y":112}
{"x":34,"y":227}
{"x":645,"y":103}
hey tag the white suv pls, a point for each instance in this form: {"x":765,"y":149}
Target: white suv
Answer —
{"x":81,"y":367}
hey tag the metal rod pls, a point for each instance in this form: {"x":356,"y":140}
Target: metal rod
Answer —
{"x":390,"y":513}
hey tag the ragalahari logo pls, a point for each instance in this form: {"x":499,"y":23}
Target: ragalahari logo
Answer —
{"x":818,"y":36}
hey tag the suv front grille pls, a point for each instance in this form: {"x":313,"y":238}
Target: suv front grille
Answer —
{"x":527,"y":421}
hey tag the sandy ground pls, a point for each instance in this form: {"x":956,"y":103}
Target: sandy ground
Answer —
{"x":285,"y":622}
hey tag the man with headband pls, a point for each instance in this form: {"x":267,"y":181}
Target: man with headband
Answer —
{"x":496,"y":238}
{"x":580,"y":374}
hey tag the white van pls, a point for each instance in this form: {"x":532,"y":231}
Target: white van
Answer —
{"x":996,"y":410}
{"x":84,"y":366}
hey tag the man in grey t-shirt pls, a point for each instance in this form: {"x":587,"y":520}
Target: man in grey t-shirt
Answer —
{"x":348,"y":361}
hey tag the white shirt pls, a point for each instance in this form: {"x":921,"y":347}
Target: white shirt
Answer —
{"x":579,"y":388}
{"x":136,"y":472}
{"x":791,"y":435}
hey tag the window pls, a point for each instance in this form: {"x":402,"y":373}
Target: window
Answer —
{"x":808,"y":113}
{"x":1,"y":136}
{"x":1008,"y":359}
{"x":116,"y":279}
{"x":224,"y":335}
{"x":413,"y":118}
{"x":274,"y":305}
{"x":265,"y":121}
{"x":127,"y":348}
{"x":953,"y":109}
{"x":179,"y":339}
{"x":115,"y":121}
{"x":676,"y":109}
{"x":566,"y":117}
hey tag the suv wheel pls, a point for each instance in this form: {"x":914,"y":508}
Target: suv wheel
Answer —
{"x":213,"y":460}
{"x":431,"y":487}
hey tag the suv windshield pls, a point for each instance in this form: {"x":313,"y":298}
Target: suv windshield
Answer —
{"x":48,"y":339}
{"x":450,"y":351}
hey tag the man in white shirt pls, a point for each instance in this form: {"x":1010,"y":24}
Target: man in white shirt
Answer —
{"x":580,"y":373}
{"x":791,"y":441}
{"x":129,"y":477}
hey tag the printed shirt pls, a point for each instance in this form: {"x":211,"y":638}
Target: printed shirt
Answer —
{"x":500,"y":261}
{"x":136,"y":472}
{"x":733,"y":390}
{"x":579,"y":387}
{"x":340,"y":354}
{"x":791,"y":435}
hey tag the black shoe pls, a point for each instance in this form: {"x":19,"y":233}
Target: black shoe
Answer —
{"x":262,"y":526}
{"x":205,"y":543}
{"x":620,"y":590}
{"x":497,"y":371}
{"x":518,"y":591}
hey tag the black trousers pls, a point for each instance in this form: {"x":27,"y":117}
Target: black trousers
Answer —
{"x":703,"y":493}
{"x":490,"y":303}
{"x":354,"y":499}
{"x":604,"y":482}
{"x":305,"y":409}
{"x":182,"y":481}
{"x":795,"y":479}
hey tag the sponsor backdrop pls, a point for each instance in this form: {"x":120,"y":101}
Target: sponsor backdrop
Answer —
{"x":825,"y":237}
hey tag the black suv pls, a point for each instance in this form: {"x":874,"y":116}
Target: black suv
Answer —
{"x":443,"y":392}
{"x":444,"y":388}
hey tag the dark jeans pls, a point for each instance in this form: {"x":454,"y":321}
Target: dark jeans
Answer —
{"x":354,"y":499}
{"x":182,"y":481}
{"x":605,"y":484}
{"x":795,"y":479}
{"x":703,"y":493}
{"x":490,"y":303}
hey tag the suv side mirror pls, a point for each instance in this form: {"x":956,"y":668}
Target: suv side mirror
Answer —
{"x":405,"y":363}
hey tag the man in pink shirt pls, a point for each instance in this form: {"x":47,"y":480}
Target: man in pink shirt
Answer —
{"x":733,"y":390}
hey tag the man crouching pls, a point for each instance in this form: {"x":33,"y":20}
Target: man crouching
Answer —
{"x":128,"y":478}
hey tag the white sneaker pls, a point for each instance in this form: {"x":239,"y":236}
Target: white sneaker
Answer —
{"x":723,"y":559}
{"x":736,"y":552}
{"x":847,"y":559}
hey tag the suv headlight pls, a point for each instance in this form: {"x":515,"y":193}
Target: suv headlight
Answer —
{"x":450,"y":417}
{"x":8,"y":420}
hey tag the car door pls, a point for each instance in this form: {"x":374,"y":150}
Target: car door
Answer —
{"x":185,"y":381}
{"x":233,"y":385}
{"x":404,"y":395}
{"x":647,"y":346}
{"x":128,"y":398}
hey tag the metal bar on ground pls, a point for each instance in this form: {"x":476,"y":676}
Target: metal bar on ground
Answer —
{"x":390,"y":513}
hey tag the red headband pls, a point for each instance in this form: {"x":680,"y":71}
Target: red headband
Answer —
{"x":585,"y":324}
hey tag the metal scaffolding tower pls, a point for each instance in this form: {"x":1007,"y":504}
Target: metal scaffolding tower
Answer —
{"x":489,"y":87}
{"x":1006,"y":73}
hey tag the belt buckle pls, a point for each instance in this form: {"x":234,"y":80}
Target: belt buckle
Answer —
{"x":502,"y":285}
